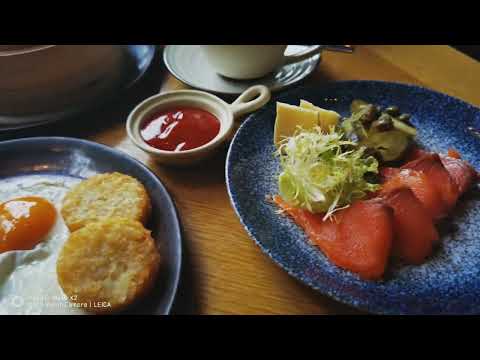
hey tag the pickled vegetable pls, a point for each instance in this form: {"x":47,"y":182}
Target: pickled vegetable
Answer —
{"x":406,"y":129}
{"x":357,"y":105}
{"x":387,"y":132}
{"x":392,"y":110}
{"x":390,"y":144}
{"x":405,"y":118}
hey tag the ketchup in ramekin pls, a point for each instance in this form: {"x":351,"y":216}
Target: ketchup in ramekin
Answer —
{"x":180,"y":129}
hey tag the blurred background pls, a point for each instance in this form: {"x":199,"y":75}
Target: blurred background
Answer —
{"x":471,"y":50}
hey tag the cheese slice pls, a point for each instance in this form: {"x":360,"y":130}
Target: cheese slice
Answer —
{"x":289,"y":117}
{"x":326,"y":118}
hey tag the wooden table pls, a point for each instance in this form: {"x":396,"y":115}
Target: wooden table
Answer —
{"x":224,"y":272}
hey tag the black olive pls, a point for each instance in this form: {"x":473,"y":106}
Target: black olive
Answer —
{"x":372,"y":178}
{"x":384,"y":123}
{"x":392,"y":110}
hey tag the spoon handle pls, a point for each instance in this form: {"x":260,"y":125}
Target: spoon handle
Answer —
{"x":339,"y":48}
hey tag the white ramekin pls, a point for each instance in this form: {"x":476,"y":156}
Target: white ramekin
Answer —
{"x":250,"y":100}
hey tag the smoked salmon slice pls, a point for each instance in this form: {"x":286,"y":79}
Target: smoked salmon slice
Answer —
{"x":319,"y":232}
{"x":388,"y":173}
{"x":460,"y":171}
{"x":358,"y":239}
{"x":414,"y":154}
{"x":365,"y":238}
{"x":413,"y":227}
{"x":421,"y":186}
{"x":431,"y":165}
{"x":398,"y":218}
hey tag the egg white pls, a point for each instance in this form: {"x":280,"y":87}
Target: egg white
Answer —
{"x":28,"y":279}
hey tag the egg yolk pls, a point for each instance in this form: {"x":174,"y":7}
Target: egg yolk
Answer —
{"x":24,"y":222}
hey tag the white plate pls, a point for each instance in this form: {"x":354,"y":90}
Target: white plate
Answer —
{"x":189,"y":65}
{"x":137,"y":60}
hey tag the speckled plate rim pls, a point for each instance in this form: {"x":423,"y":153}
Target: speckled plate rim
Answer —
{"x":48,"y":118}
{"x":121,"y":156}
{"x":276,"y":88}
{"x":320,"y":287}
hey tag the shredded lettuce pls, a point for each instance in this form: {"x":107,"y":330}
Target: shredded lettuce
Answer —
{"x":319,"y":175}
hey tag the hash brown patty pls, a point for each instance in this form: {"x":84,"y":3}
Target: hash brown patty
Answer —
{"x":113,"y":261}
{"x":104,"y":196}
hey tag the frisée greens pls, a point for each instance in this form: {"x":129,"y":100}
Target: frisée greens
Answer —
{"x":323,"y":172}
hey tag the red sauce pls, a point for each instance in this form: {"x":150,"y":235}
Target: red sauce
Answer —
{"x":180,"y":129}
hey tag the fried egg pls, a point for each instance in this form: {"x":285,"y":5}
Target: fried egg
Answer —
{"x":33,"y":233}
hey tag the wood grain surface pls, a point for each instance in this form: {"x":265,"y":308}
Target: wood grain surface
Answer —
{"x":224,"y":272}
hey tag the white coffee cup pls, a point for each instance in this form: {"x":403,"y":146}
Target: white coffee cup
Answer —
{"x":245,"y":62}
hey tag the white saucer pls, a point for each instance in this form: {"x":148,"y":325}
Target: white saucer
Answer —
{"x":189,"y":65}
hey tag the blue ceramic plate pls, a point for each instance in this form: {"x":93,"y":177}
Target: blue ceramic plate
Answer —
{"x":82,"y":159}
{"x":448,"y":283}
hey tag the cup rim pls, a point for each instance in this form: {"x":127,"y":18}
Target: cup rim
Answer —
{"x":135,"y":120}
{"x":242,"y":74}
